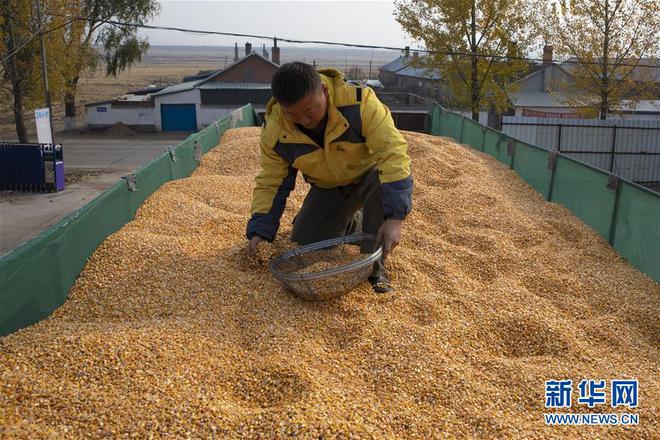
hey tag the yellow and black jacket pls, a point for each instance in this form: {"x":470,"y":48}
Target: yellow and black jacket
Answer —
{"x":359,"y":135}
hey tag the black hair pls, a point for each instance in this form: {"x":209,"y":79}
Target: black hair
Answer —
{"x":293,"y":81}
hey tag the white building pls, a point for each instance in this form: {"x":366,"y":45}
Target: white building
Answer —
{"x":191,"y":105}
{"x":539,"y":94}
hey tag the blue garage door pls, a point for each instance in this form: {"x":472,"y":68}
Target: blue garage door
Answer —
{"x":178,"y":117}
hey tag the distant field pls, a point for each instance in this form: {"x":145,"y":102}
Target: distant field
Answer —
{"x":336,"y":56}
{"x":169,"y":64}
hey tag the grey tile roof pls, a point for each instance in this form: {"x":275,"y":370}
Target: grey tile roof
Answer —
{"x":419,"y":72}
{"x":219,"y":71}
{"x":235,"y":85}
{"x":536,"y":99}
{"x":176,"y":88}
{"x":189,"y":85}
{"x":642,"y":72}
{"x":402,"y":66}
{"x":396,"y":65}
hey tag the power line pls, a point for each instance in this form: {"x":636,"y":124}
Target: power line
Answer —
{"x":361,"y":46}
{"x":22,"y":45}
{"x":66,"y":23}
{"x":332,"y":43}
{"x":33,"y":36}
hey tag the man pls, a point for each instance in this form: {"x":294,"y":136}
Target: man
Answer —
{"x":343,"y":140}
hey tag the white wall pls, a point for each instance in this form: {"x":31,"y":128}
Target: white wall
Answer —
{"x":125,"y":115}
{"x":187,"y":97}
{"x":211,"y":113}
{"x":483,"y":116}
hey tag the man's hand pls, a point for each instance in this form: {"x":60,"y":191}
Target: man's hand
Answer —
{"x":389,"y":235}
{"x":252,"y":245}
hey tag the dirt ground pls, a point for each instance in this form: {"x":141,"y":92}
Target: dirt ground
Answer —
{"x":71,"y":176}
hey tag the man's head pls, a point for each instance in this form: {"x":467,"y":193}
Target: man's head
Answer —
{"x":302,"y":96}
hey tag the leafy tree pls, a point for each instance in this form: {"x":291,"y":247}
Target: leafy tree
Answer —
{"x":92,"y":40}
{"x":463,"y":34}
{"x":608,"y":39}
{"x":20,"y":63}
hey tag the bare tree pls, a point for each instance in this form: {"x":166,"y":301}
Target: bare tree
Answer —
{"x":354,"y":72}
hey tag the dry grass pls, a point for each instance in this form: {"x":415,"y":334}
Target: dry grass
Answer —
{"x":171,"y":331}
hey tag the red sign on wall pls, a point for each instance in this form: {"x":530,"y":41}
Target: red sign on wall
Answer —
{"x":538,"y":114}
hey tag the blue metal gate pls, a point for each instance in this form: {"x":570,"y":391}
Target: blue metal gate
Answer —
{"x":178,"y":117}
{"x":31,"y":167}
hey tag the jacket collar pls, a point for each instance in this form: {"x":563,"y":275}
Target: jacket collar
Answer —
{"x":337,"y":123}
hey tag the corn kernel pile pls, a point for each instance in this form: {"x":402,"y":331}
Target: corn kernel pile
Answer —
{"x":172,"y":331}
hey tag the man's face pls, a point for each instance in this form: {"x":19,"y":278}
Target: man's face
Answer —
{"x":309,"y":111}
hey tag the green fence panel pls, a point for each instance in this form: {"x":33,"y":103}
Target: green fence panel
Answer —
{"x":629,"y":216}
{"x":583,"y":190}
{"x":455,"y":125}
{"x":36,"y":277}
{"x":184,"y":159}
{"x":435,"y":121}
{"x":636,"y":234}
{"x":491,"y":142}
{"x":209,"y":137}
{"x":473,"y":134}
{"x":445,"y":123}
{"x":530,"y":162}
{"x":495,"y":144}
{"x":149,"y":178}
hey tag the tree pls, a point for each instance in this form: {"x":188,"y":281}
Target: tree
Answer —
{"x":608,"y":39}
{"x":464,"y":34}
{"x":19,"y":56}
{"x":92,"y":39}
{"x":20,"y":60}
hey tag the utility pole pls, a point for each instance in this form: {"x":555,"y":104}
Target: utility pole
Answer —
{"x":44,"y":71}
{"x":370,"y":60}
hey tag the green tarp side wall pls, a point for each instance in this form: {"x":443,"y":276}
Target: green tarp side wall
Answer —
{"x":35,"y":278}
{"x":622,"y":212}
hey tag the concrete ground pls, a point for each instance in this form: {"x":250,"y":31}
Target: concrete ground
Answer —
{"x":92,"y":163}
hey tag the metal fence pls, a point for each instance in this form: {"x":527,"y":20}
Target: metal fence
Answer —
{"x":31,"y":167}
{"x":630,"y":149}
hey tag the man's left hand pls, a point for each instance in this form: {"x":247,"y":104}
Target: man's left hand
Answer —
{"x":389,"y":235}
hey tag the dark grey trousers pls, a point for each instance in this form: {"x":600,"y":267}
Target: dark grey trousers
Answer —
{"x":334,"y":212}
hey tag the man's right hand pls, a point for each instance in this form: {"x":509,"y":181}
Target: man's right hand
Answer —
{"x":252,"y":246}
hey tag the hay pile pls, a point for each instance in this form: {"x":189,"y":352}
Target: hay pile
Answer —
{"x":171,"y":330}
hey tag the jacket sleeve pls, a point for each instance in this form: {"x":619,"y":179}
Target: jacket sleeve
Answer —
{"x":390,"y":152}
{"x":273,"y":184}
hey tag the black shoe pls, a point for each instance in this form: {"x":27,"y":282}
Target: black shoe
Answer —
{"x":381,"y":284}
